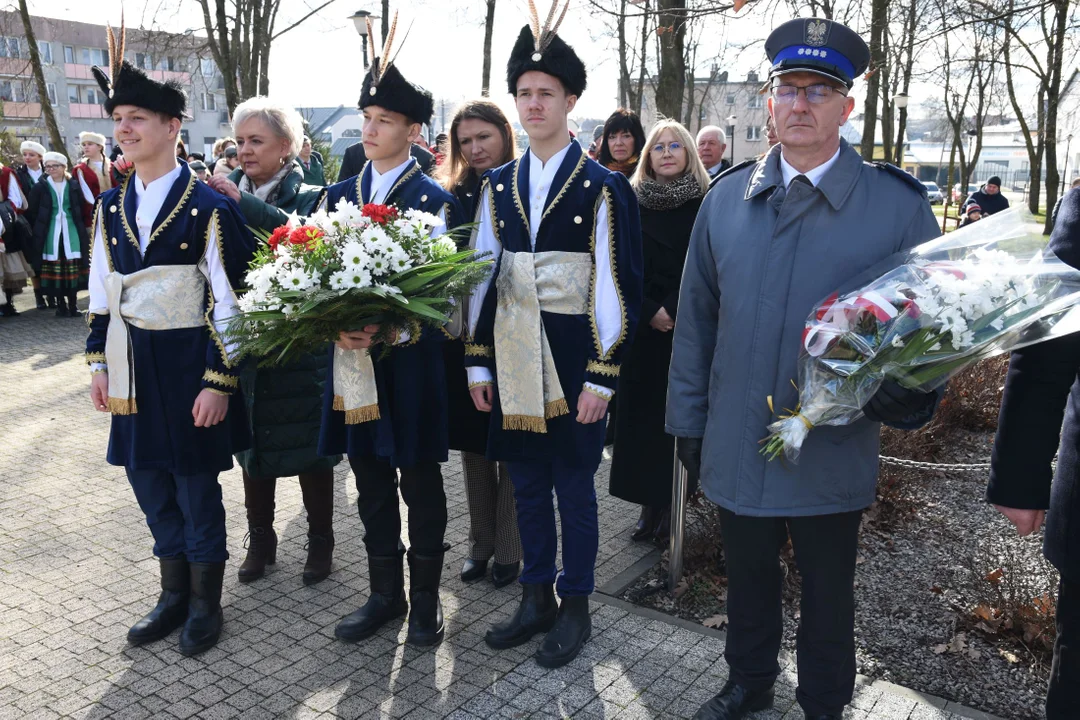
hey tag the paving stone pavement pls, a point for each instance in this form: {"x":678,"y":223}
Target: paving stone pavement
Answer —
{"x":76,"y":570}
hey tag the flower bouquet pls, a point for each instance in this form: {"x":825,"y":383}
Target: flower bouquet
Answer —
{"x":923,"y":315}
{"x":333,"y":272}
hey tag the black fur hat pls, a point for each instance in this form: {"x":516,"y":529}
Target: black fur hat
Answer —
{"x":128,"y":85}
{"x":539,"y":48}
{"x":385,"y":86}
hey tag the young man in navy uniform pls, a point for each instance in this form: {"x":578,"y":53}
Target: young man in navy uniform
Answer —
{"x":167,"y":254}
{"x":548,"y":333}
{"x":408,"y":429}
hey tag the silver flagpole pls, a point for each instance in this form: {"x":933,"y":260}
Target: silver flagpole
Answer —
{"x":678,"y":524}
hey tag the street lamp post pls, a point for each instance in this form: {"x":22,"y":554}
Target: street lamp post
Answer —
{"x":900,"y":101}
{"x":1068,"y":144}
{"x":731,"y":121}
{"x":360,"y":20}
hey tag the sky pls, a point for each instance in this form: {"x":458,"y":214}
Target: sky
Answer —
{"x":320,"y":62}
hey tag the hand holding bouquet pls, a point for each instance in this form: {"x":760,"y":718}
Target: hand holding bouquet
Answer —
{"x":344,"y":270}
{"x":924,"y":315}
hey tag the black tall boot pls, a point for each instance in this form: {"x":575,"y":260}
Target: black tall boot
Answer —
{"x":172,"y":605}
{"x":39,"y":298}
{"x":261,"y":538}
{"x":8,"y":309}
{"x":73,"y":305}
{"x":385,"y":603}
{"x":61,"y":311}
{"x":535,"y":614}
{"x":426,"y":615}
{"x":318,"y":491}
{"x":205,"y":619}
{"x":572,"y":628}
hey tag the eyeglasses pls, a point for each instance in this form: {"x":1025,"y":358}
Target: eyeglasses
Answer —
{"x":671,"y":147}
{"x":53,"y":166}
{"x":815,"y":94}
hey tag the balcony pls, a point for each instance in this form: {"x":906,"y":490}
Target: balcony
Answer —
{"x":15,"y":110}
{"x":86,"y":111}
{"x":165,"y":75}
{"x":14,"y":66}
{"x":74,"y":71}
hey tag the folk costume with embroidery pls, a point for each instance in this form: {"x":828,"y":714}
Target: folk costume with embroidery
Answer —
{"x":15,"y":268}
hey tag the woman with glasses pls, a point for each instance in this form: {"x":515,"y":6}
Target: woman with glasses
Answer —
{"x":670,"y":182}
{"x":56,"y":214}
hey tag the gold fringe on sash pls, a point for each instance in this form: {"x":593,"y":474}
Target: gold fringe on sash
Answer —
{"x":524,"y":422}
{"x":123,"y":406}
{"x":555,"y":408}
{"x":359,"y":415}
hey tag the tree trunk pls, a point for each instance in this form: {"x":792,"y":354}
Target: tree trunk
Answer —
{"x":887,"y":80}
{"x":55,"y":139}
{"x":909,"y":64}
{"x":489,"y":28}
{"x":638,"y":97}
{"x":624,"y":66}
{"x":385,"y":19}
{"x":672,"y":76}
{"x":1055,"y":54}
{"x":879,"y":17}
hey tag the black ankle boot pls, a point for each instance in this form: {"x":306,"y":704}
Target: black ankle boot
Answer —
{"x":261,"y":551}
{"x":320,"y":556}
{"x":502,"y":574}
{"x":386,"y":602}
{"x":646,"y":524}
{"x":572,"y":628}
{"x":39,"y":298}
{"x":733,"y":702}
{"x":172,"y":605}
{"x":61,"y":309}
{"x":8,"y":310}
{"x":73,"y":306}
{"x":425,"y":615}
{"x":535,"y":613}
{"x":205,"y":619}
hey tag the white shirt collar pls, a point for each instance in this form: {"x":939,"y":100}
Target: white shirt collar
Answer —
{"x":149,"y":200}
{"x":161,"y":186}
{"x":715,"y":168}
{"x":35,"y":173}
{"x":541,"y":176}
{"x":553,"y":162}
{"x":814,"y":176}
{"x":382,"y":183}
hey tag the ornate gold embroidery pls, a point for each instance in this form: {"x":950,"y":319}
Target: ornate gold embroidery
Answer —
{"x":566,"y":186}
{"x":213,"y":376}
{"x":481,"y":383}
{"x":95,"y":357}
{"x":479,"y":350}
{"x":600,"y":368}
{"x":215,"y":391}
{"x":416,"y":330}
{"x":597,"y":393}
{"x":491,"y":207}
{"x":123,"y":406}
{"x":356,"y":416}
{"x":215,"y":226}
{"x":606,"y":193}
{"x":517,"y":200}
{"x":99,"y":371}
{"x":359,"y":186}
{"x":131,"y":236}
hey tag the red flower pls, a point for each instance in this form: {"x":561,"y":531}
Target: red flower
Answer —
{"x":379,"y":214}
{"x":276,"y":238}
{"x":305,"y":235}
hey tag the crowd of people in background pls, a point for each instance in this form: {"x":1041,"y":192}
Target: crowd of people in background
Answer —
{"x":647,"y":328}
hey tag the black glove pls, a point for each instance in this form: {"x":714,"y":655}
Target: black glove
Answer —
{"x":894,"y":403}
{"x":688,"y":451}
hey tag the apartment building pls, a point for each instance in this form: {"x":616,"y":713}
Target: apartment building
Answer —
{"x":69,"y":49}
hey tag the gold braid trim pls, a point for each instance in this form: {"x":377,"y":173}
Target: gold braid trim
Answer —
{"x":527,"y":423}
{"x":95,"y":357}
{"x":595,"y":366}
{"x":213,"y":376}
{"x":593,"y":391}
{"x":481,"y":383}
{"x":123,"y":406}
{"x":592,"y":280}
{"x":98,"y":372}
{"x":517,"y":200}
{"x":401,"y":181}
{"x":566,"y":185}
{"x":215,"y":391}
{"x":215,"y":226}
{"x":356,"y":415}
{"x":192,"y":179}
{"x":415,"y":330}
{"x":606,"y":195}
{"x":131,"y":236}
{"x":479,"y":350}
{"x":491,"y":209}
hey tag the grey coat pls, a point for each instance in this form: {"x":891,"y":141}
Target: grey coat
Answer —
{"x":761,"y":257}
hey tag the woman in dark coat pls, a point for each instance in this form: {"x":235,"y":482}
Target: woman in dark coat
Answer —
{"x":480,"y":139}
{"x":622,"y":143}
{"x":284,"y":402}
{"x":670,"y":183}
{"x":61,"y":253}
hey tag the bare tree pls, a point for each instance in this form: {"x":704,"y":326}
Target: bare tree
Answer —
{"x":39,"y":80}
{"x":671,"y":77}
{"x":879,"y":18}
{"x":489,"y":27}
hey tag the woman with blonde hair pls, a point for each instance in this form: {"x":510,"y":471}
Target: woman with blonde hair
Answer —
{"x":480,"y":138}
{"x":670,"y":182}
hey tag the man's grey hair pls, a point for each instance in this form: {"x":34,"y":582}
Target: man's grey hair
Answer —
{"x":721,"y":136}
{"x":283,"y":121}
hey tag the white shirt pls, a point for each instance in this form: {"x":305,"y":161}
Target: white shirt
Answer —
{"x":715,"y":168}
{"x":608,"y":313}
{"x":35,"y":175}
{"x":150,"y":200}
{"x":14,"y":193}
{"x":60,"y":231}
{"x":383,"y":183}
{"x":814,"y":176}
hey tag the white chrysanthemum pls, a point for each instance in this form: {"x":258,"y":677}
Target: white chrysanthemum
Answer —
{"x":322,"y":220}
{"x":355,"y":255}
{"x":296,"y":279}
{"x":424,"y":218}
{"x":340,"y":280}
{"x":380,"y":265}
{"x":358,"y":278}
{"x":246,"y":303}
{"x":374,"y":234}
{"x":288,"y":308}
{"x":389,"y":289}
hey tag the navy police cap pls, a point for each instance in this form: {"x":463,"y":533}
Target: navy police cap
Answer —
{"x":819,"y":46}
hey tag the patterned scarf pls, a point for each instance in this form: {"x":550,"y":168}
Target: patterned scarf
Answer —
{"x":267,"y":192}
{"x":626,"y":168}
{"x":668,"y":196}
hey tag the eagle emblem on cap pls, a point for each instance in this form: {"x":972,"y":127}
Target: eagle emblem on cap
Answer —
{"x":816,"y":32}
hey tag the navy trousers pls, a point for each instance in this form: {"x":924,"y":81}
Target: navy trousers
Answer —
{"x":184,"y":512}
{"x":533,"y":485}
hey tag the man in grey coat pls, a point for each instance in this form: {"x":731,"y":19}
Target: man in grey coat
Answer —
{"x":773,"y":239}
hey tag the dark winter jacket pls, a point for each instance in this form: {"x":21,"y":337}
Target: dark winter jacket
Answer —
{"x":989,"y":204}
{"x":40,"y":214}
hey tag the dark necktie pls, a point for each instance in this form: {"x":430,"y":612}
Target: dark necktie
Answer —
{"x":802,"y":179}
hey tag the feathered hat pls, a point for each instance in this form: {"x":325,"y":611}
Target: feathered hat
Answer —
{"x":539,"y":48}
{"x":127,"y":85}
{"x":386,"y":87}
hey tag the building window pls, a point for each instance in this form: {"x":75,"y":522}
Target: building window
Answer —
{"x":51,"y":87}
{"x":185,"y":138}
{"x":753,"y":133}
{"x":209,"y":101}
{"x":94,"y":56}
{"x":45,"y":51}
{"x":167,"y":63}
{"x":207,"y":66}
{"x":730,"y":131}
{"x":73,"y":94}
{"x":755,"y":101}
{"x":730,"y":99}
{"x":69,"y":54}
{"x":10,"y":47}
{"x":93,"y":96}
{"x":7,"y":91}
{"x":144,"y":61}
